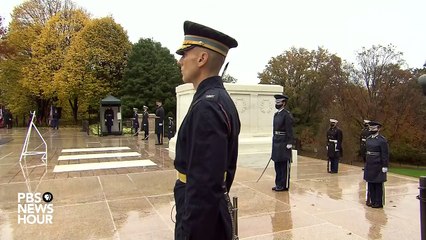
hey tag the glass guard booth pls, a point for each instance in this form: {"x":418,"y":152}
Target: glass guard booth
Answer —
{"x":110,"y":116}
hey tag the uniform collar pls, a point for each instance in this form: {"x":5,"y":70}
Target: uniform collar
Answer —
{"x":211,"y":82}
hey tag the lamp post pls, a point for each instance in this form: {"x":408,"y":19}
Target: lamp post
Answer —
{"x":422,"y":179}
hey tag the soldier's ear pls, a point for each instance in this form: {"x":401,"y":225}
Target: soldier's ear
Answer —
{"x":203,"y":58}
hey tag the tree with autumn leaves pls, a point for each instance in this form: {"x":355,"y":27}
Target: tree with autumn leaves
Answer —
{"x":57,"y":46}
{"x":322,"y":86}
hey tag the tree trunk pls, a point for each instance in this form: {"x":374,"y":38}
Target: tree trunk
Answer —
{"x":74,"y":106}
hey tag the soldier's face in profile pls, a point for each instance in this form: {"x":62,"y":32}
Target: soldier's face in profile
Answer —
{"x":188,"y":65}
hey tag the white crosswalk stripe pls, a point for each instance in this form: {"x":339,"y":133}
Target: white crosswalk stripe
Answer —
{"x":102,"y":165}
{"x":99,"y":155}
{"x":72,"y":150}
{"x":107,"y":152}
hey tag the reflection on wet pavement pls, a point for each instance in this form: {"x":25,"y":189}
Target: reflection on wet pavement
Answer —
{"x":137,"y":202}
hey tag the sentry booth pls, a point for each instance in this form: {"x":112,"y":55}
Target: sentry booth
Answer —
{"x":115,"y":104}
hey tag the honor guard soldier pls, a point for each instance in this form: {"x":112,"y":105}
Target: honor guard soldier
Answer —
{"x":159,"y":122}
{"x":334,"y":146}
{"x":145,"y":123}
{"x":109,"y":119}
{"x":171,"y":128}
{"x":376,"y":165}
{"x":207,"y":142}
{"x":282,"y":142}
{"x":135,"y":122}
{"x":362,"y":139}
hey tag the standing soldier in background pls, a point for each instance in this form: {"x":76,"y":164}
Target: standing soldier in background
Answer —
{"x":109,"y":119}
{"x":135,"y":122}
{"x":334,"y":146}
{"x":282,"y":142}
{"x":55,"y":119}
{"x":171,"y":128}
{"x":376,"y":165}
{"x":7,"y":119}
{"x":145,"y":123}
{"x":362,"y":139}
{"x":159,"y":122}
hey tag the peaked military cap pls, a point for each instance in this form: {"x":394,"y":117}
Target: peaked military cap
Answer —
{"x":374,"y":123}
{"x":203,"y":36}
{"x":281,"y":97}
{"x":366,"y":121}
{"x":333,"y":120}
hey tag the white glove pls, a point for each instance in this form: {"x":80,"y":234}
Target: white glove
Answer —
{"x":384,"y":169}
{"x":326,"y":147}
{"x":289,"y":146}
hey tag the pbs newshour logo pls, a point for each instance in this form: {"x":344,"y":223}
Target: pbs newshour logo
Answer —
{"x":35,"y":208}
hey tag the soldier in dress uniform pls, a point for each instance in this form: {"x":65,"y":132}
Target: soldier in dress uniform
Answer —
{"x":145,"y":123}
{"x":159,"y":122}
{"x":135,"y":122}
{"x":334,"y":146}
{"x":171,"y":128}
{"x":282,"y":142}
{"x":376,"y":165}
{"x":207,"y":142}
{"x":109,"y":119}
{"x":362,"y":139}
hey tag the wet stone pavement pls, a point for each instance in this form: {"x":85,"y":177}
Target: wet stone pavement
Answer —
{"x":109,"y":193}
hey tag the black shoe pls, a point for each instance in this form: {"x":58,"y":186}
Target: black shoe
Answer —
{"x":279,"y":189}
{"x":377,"y":206}
{"x":368,"y":204}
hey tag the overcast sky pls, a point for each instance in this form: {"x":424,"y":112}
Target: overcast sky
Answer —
{"x":267,"y":28}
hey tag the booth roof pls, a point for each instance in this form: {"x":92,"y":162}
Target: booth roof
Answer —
{"x":110,"y":101}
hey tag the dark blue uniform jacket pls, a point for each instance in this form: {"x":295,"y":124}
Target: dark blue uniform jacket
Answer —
{"x":206,"y":148}
{"x":377,"y":157}
{"x":282,"y":135}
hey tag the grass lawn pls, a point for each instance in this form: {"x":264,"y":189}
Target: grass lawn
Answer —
{"x":408,"y":171}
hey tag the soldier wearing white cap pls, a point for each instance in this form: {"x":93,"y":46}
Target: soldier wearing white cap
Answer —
{"x":334,"y":146}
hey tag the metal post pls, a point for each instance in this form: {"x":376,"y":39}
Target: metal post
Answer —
{"x":422,"y":198}
{"x":235,"y":217}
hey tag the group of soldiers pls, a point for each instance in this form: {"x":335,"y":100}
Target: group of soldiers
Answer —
{"x":159,"y":123}
{"x":207,"y":143}
{"x":374,"y":150}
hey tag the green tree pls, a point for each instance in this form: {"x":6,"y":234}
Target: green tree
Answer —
{"x":94,"y":64}
{"x":152,"y":74}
